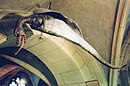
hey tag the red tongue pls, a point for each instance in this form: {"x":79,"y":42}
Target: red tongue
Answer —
{"x":22,"y":44}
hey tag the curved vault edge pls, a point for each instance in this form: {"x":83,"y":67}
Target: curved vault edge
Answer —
{"x":28,"y":67}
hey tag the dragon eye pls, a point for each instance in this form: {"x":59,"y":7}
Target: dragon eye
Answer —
{"x":37,"y":21}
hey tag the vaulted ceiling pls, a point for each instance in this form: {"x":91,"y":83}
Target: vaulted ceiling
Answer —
{"x":97,"y":20}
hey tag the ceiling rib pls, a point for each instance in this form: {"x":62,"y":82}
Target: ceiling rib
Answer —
{"x":124,"y":60}
{"x":117,"y":39}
